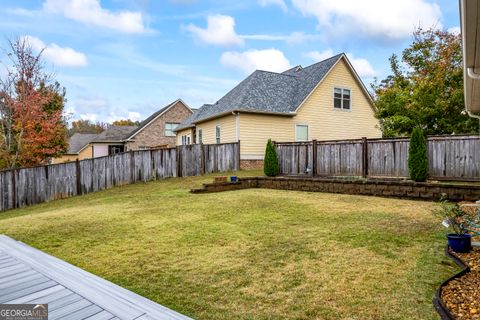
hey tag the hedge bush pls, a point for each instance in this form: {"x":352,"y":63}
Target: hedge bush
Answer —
{"x":417,"y":156}
{"x":270,"y":162}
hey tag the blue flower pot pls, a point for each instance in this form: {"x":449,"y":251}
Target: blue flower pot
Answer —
{"x":233,"y":179}
{"x":460,"y":243}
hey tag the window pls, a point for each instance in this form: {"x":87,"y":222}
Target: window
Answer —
{"x":341,"y":98}
{"x":185,"y":140}
{"x":217,"y":134}
{"x":199,"y":136}
{"x":301,"y":132}
{"x":169,"y":127}
{"x":115,"y":149}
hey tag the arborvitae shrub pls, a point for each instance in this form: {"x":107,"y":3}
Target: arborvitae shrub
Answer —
{"x":417,"y":156}
{"x":270,"y":163}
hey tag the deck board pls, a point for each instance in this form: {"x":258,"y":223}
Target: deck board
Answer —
{"x":28,"y":275}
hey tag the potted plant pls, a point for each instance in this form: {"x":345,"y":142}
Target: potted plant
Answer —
{"x":454,"y":219}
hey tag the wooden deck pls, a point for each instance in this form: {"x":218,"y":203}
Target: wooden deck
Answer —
{"x":28,"y":275}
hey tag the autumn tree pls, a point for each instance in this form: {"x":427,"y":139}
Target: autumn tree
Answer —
{"x":86,"y":126}
{"x":425,"y":88}
{"x":32,"y":126}
{"x":125,"y":122}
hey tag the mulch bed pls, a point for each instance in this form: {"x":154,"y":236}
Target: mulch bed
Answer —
{"x":462,"y":295}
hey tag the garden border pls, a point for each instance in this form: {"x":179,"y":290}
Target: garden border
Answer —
{"x":437,"y":299}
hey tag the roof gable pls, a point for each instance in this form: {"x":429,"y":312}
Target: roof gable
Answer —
{"x":114,"y":134}
{"x":355,"y":76}
{"x":145,"y":123}
{"x":79,"y":141}
{"x":268,"y":92}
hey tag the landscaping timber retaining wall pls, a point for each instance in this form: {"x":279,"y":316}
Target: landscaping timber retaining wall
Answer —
{"x":382,"y":188}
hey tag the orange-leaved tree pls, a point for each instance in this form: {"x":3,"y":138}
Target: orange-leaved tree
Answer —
{"x":32,"y":125}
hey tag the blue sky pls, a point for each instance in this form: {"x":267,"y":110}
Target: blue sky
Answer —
{"x":128,"y":58}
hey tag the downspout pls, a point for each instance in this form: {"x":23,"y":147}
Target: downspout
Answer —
{"x":475,"y":76}
{"x":237,"y":124}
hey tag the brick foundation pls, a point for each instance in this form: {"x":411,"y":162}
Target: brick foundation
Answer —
{"x":397,"y":189}
{"x":251,"y":164}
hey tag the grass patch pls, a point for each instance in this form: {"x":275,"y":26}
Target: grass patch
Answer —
{"x":249,"y":254}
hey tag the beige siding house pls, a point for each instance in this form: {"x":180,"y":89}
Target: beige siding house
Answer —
{"x":78,"y":148}
{"x":324,"y":101}
{"x":157,"y":131}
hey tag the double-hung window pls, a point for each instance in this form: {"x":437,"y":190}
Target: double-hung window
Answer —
{"x":169,"y":127}
{"x":301,"y":132}
{"x":342,"y":98}
{"x":217,"y":133}
{"x":199,"y":136}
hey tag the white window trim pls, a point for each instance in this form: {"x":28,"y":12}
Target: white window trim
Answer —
{"x":303,"y":125}
{"x":220,"y":136}
{"x":172,"y":130}
{"x":351,"y":99}
{"x":198,"y":135}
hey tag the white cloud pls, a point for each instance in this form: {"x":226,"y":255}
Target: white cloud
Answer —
{"x":293,"y":38}
{"x":390,"y":20}
{"x":361,"y":65}
{"x":89,"y":116}
{"x":454,"y":30}
{"x":134,"y":116}
{"x":88,"y":104}
{"x":59,"y":56}
{"x":318,"y":56}
{"x":248,"y":61}
{"x":90,"y":12}
{"x":279,"y":3}
{"x":220,"y":31}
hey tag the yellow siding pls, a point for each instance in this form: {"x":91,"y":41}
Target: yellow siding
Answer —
{"x":256,"y":129}
{"x":227,"y":129}
{"x":84,"y":154}
{"x":327,"y":123}
{"x":324,"y":122}
{"x":185,"y":132}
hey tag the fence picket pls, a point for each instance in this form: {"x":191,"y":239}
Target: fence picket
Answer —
{"x":28,"y":186}
{"x":450,"y":157}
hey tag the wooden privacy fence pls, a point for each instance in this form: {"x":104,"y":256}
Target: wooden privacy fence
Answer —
{"x":27,"y":186}
{"x":450,"y":157}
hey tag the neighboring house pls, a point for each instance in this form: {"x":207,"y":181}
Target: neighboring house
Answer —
{"x":157,"y":131}
{"x":324,"y":101}
{"x":111,"y":141}
{"x":78,"y":148}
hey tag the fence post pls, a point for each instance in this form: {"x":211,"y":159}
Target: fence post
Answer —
{"x":238,"y":157}
{"x":202,"y":160}
{"x":79,"y":178}
{"x":14,"y":188}
{"x":132,"y":167}
{"x":364,"y":157}
{"x":314,"y":158}
{"x":179,"y":158}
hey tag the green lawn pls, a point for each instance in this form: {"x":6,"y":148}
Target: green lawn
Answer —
{"x":249,"y":254}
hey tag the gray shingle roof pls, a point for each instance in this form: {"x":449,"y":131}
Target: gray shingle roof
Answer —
{"x":78,"y":141}
{"x":267,"y":92}
{"x":115,"y":134}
